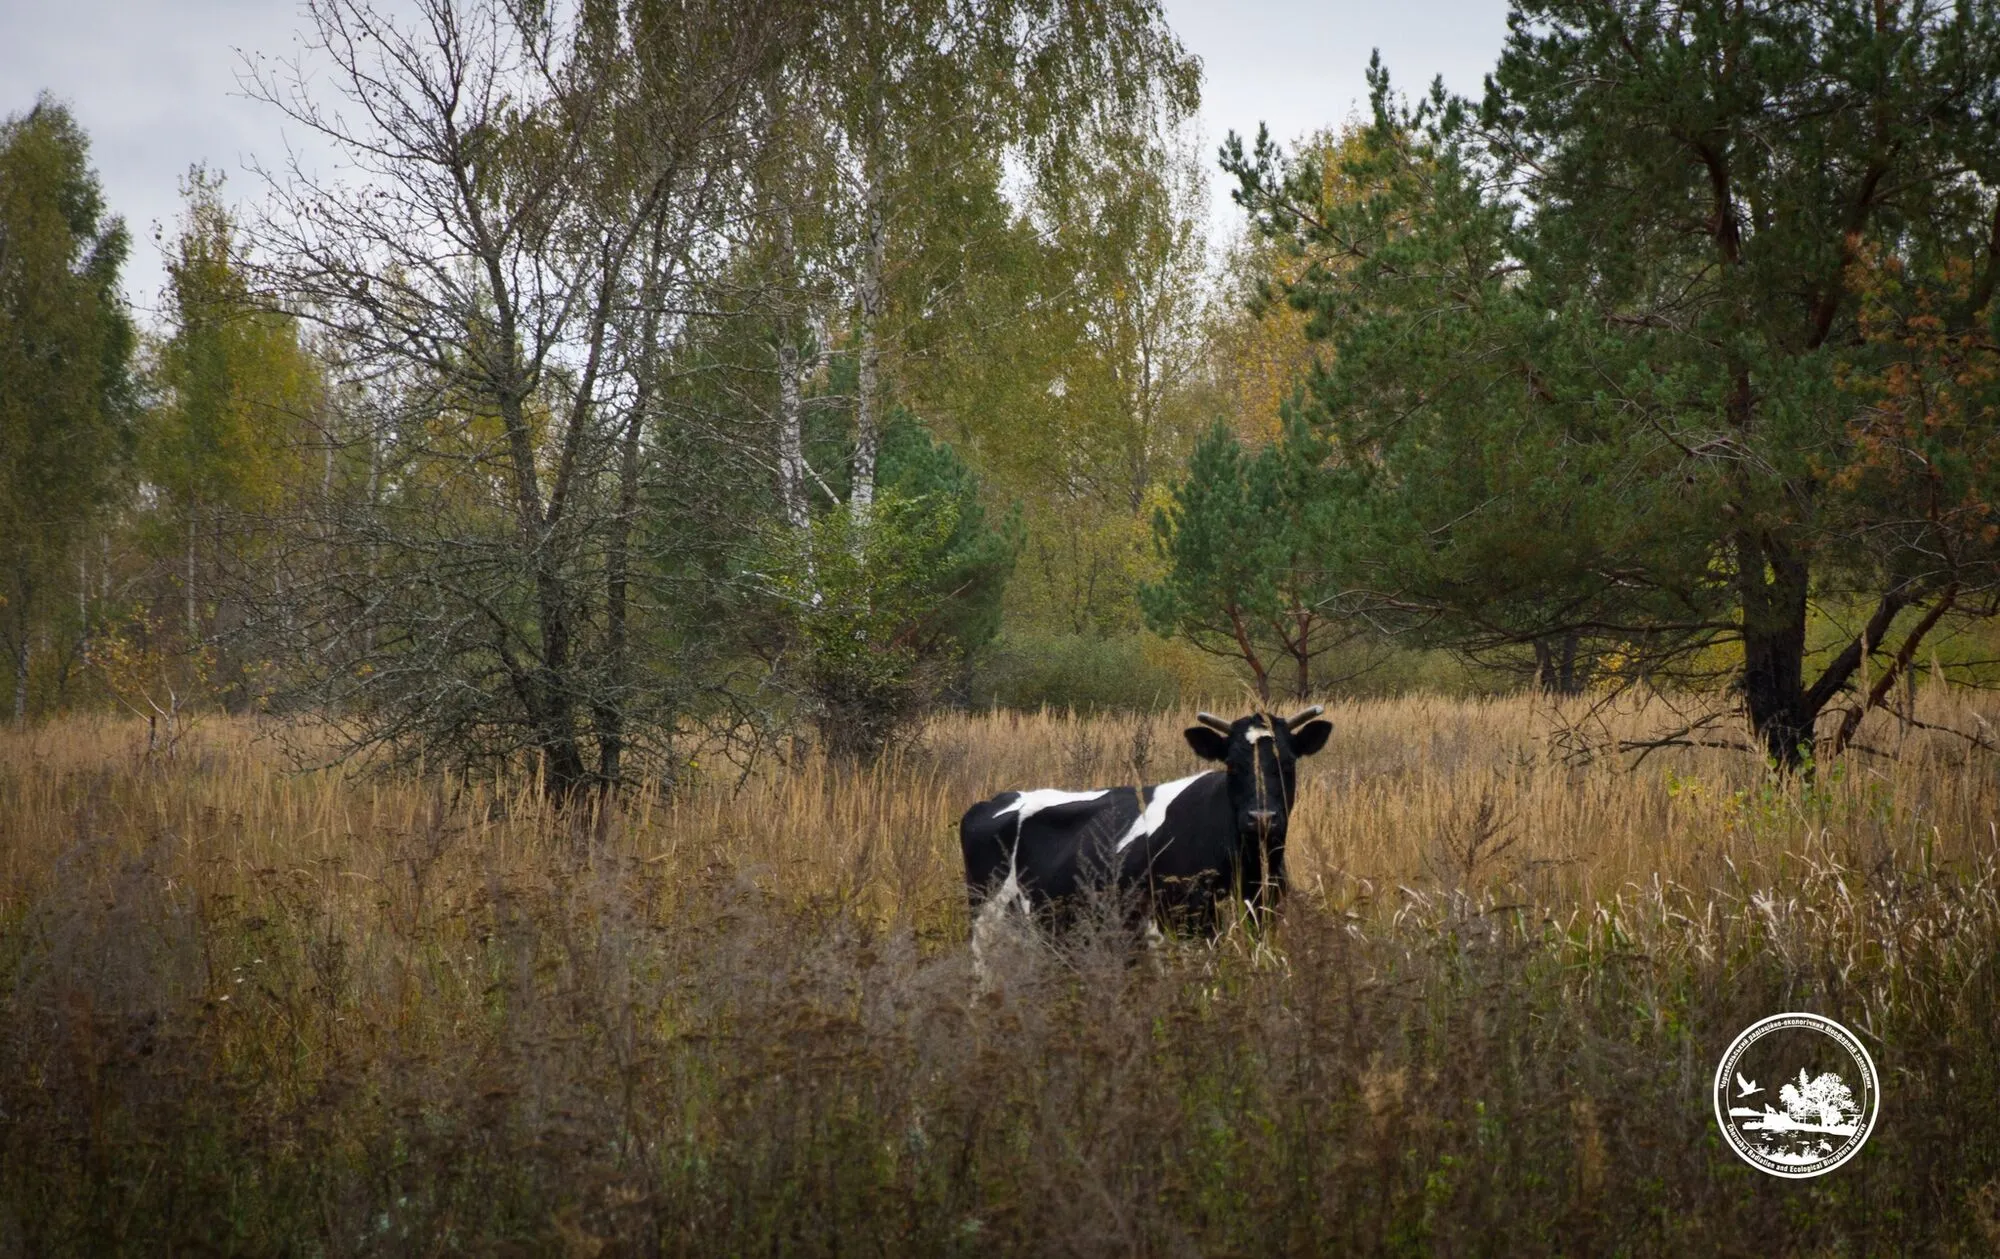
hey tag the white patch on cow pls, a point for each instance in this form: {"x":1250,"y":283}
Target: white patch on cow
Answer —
{"x":1010,"y":896}
{"x":1029,"y":803}
{"x":1255,"y":733}
{"x":1156,"y":810}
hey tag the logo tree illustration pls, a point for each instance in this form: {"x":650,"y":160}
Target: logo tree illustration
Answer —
{"x":1824,"y":1100}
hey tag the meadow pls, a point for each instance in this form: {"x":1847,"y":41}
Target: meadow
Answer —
{"x":246,"y":1009}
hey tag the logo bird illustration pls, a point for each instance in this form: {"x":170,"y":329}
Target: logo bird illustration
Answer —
{"x":1745,"y":1087}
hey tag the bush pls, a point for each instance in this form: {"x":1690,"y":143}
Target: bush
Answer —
{"x":1129,"y":673}
{"x":1145,"y":673}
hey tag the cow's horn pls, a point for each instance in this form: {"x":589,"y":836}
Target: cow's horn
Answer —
{"x":1305,"y":716}
{"x":1212,"y":721}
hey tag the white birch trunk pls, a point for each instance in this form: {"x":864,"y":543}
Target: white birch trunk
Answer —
{"x":791,"y":435}
{"x":867,"y":421}
{"x":791,"y":407}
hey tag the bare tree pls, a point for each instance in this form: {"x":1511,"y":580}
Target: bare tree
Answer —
{"x":531,"y":200}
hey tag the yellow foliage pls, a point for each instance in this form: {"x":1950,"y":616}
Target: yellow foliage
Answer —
{"x":160,"y":684}
{"x":239,"y":387}
{"x":1258,"y":350}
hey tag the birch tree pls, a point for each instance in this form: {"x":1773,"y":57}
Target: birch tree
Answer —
{"x":65,"y":389}
{"x":906,"y":106}
{"x":234,"y":392}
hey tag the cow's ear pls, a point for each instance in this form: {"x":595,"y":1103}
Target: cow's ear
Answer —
{"x":1311,"y":737}
{"x":1207,"y":744}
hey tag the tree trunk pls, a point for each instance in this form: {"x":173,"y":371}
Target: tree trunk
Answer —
{"x":1555,"y":664}
{"x":608,"y":708}
{"x":791,"y":435}
{"x":1300,"y":644}
{"x":18,"y":606}
{"x":1240,"y":630}
{"x":1141,"y":453}
{"x":193,"y":523}
{"x":21,"y":678}
{"x":791,"y":404}
{"x":1773,"y":584}
{"x":554,"y":712}
{"x":82,"y":652}
{"x":1900,"y":666}
{"x":867,"y":421}
{"x":549,"y":696}
{"x":609,"y":716}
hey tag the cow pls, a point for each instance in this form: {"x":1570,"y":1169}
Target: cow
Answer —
{"x":1185,"y":853}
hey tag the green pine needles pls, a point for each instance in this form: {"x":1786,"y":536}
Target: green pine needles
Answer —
{"x":1682,"y":333}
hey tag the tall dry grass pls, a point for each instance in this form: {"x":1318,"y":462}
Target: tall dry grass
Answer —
{"x":248,"y":1010}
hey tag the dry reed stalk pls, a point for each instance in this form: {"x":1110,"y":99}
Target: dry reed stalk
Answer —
{"x":754,"y":991}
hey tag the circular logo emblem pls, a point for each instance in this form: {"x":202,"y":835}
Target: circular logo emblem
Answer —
{"x":1796,"y":1095}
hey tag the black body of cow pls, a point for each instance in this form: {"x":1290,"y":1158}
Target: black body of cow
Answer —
{"x":1180,"y":850}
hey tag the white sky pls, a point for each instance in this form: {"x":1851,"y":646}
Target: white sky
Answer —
{"x":1297,"y":65}
{"x":155,"y":83}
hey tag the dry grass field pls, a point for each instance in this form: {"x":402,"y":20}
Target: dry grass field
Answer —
{"x":251,"y":1010}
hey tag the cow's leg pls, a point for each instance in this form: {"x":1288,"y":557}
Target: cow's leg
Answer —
{"x":1156,"y":945}
{"x":1007,"y":914}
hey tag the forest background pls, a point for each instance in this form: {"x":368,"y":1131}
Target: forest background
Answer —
{"x":649,"y":375}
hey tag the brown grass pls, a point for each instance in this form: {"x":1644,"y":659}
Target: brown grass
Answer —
{"x":248,"y":1010}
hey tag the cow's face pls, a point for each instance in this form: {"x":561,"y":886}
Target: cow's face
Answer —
{"x":1261,"y":755}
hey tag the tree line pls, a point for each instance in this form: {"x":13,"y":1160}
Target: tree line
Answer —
{"x":650,"y":371}
{"x":645,"y":370}
{"x":1672,"y":353}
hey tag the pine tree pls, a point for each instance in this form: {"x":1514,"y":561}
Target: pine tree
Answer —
{"x":1603,"y":350}
{"x":1250,"y":543}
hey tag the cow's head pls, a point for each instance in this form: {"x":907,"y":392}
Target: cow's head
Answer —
{"x":1261,"y":753}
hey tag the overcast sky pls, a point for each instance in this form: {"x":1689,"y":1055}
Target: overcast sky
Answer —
{"x":155,"y":83}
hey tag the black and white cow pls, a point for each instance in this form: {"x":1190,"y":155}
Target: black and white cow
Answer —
{"x":1182,"y":850}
